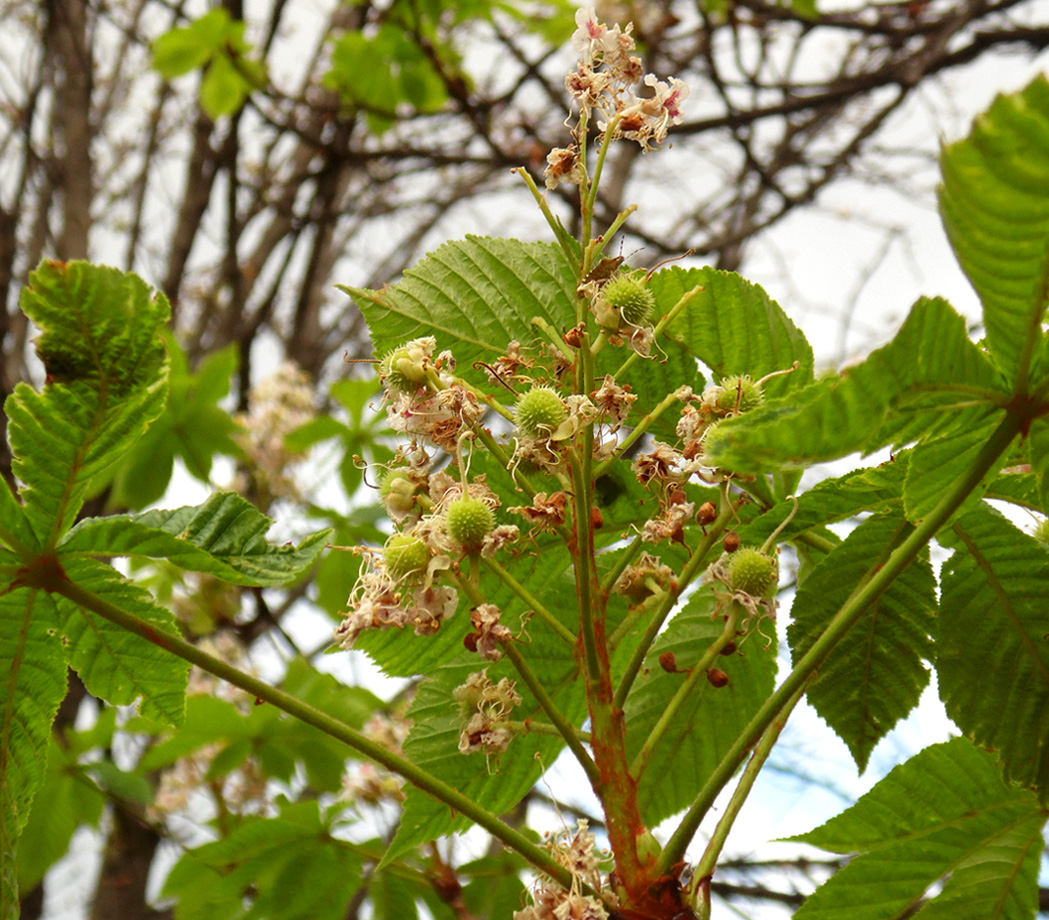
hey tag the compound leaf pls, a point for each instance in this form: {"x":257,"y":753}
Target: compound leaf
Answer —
{"x":944,"y":813}
{"x":995,"y":205}
{"x":473,"y":295}
{"x":992,"y":657}
{"x":225,"y":537}
{"x":107,"y":373}
{"x":116,"y":665}
{"x":875,"y":675}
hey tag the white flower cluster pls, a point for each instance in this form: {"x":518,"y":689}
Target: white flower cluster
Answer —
{"x":577,"y":853}
{"x":484,"y":707}
{"x":603,"y":83}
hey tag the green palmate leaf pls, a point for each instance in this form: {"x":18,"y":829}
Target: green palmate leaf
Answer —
{"x":224,"y":88}
{"x":475,"y":296}
{"x":225,"y":537}
{"x":497,"y":783}
{"x":1038,"y":443}
{"x":878,"y":489}
{"x":711,"y":718}
{"x":67,"y":799}
{"x":944,"y":813}
{"x":1021,"y":489}
{"x":734,"y":327}
{"x":393,"y":897}
{"x":33,"y":675}
{"x":995,"y":204}
{"x":496,"y":890}
{"x":116,"y":665}
{"x":181,"y":50}
{"x":194,"y":428}
{"x":992,"y":657}
{"x":287,"y":867}
{"x":937,"y":463}
{"x":14,"y":526}
{"x":902,"y":392}
{"x":875,"y":675}
{"x":282,"y":745}
{"x":106,"y":367}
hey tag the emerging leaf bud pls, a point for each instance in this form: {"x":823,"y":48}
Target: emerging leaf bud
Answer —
{"x":539,"y":412}
{"x":469,"y":521}
{"x":751,"y":572}
{"x":627,"y":295}
{"x":405,"y":554}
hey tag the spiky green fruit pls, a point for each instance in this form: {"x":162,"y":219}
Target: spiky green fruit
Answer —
{"x":739,"y":394}
{"x":469,"y":521}
{"x":539,"y":412}
{"x":405,"y":554}
{"x":753,"y":573}
{"x":630,"y":298}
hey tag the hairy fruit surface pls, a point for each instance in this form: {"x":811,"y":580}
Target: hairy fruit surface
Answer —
{"x":405,"y":554}
{"x":739,"y":394}
{"x":628,"y":296}
{"x":539,"y":412}
{"x":469,"y":521}
{"x":752,"y":572}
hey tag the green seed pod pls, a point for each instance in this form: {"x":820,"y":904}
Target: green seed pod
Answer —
{"x":539,"y":412}
{"x":752,"y":572}
{"x":739,"y":394}
{"x":629,"y":297}
{"x":469,"y":521}
{"x":405,"y":554}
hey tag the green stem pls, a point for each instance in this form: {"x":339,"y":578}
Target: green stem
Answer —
{"x":534,"y":727}
{"x":639,"y":432}
{"x":309,"y":715}
{"x":606,"y":143}
{"x":708,"y":861}
{"x":625,"y":557}
{"x":564,"y":240}
{"x":696,"y":673}
{"x":879,"y":579}
{"x":688,"y":573}
{"x":583,"y":560}
{"x":554,"y":337}
{"x":566,"y":730}
{"x":531,"y":600}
